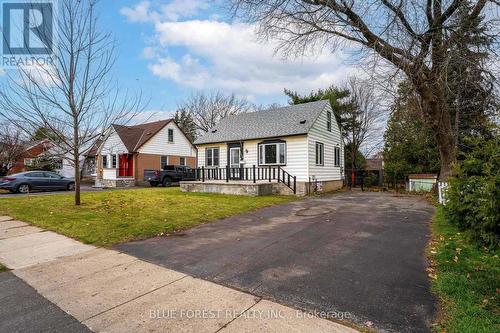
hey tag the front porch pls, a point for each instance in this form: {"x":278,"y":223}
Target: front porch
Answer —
{"x":117,"y":170}
{"x":252,"y":181}
{"x":243,"y":187}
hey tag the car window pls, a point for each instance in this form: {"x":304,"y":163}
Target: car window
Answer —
{"x":35,"y":175}
{"x":52,"y":175}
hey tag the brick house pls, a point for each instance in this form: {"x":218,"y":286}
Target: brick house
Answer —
{"x":31,"y":153}
{"x":127,"y":151}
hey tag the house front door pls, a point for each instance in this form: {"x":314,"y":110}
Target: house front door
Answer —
{"x":234,"y":162}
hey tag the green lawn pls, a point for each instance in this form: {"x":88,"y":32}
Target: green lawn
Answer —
{"x":111,"y":217}
{"x":467,"y":280}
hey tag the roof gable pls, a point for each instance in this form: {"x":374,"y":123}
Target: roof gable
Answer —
{"x":133,"y":137}
{"x":286,"y":121}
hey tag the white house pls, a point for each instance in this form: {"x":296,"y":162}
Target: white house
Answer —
{"x":304,"y":140}
{"x":127,"y":151}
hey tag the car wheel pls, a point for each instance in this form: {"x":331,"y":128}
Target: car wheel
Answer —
{"x":153,"y":184}
{"x":24,"y":188}
{"x":71,"y":187}
{"x":167,"y":181}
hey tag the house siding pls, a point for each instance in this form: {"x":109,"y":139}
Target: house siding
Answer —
{"x":222,"y":154}
{"x":159,"y":145}
{"x":113,"y":145}
{"x":32,"y":152}
{"x":296,"y":150}
{"x":330,"y":140}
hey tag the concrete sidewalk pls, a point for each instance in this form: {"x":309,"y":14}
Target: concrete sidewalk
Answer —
{"x":109,"y":291}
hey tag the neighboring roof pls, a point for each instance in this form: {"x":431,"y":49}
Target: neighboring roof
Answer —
{"x":374,"y":164}
{"x":34,"y":144}
{"x":286,"y":121}
{"x":423,"y":176}
{"x":133,"y":137}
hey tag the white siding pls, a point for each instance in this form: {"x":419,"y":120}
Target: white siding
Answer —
{"x":68,"y":169}
{"x":159,"y":145}
{"x":296,"y":155}
{"x":109,"y":174}
{"x":113,"y":145}
{"x":319,"y":133}
{"x":222,"y":154}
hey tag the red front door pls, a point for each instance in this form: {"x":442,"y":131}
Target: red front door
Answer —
{"x":126,"y":165}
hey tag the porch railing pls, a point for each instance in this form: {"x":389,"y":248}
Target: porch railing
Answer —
{"x":253,"y":174}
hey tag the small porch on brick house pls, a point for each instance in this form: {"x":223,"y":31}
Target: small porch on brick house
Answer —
{"x":253,"y":181}
{"x":118,"y":172}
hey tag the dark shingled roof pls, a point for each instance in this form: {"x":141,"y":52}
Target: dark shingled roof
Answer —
{"x":286,"y":121}
{"x":133,"y":137}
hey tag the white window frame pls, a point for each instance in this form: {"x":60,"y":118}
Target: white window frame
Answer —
{"x":262,"y":153}
{"x":212,"y":150}
{"x":321,"y":161}
{"x":104,"y":161}
{"x":58,"y":164}
{"x":114,"y":161}
{"x":29,"y":161}
{"x":328,"y":121}
{"x":336,"y":157}
{"x":161,"y":162}
{"x":170,"y":130}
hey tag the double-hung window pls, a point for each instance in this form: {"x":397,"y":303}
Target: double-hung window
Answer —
{"x":182,"y":161}
{"x":170,"y":135}
{"x":212,"y":157}
{"x":104,"y":161}
{"x":29,"y":161}
{"x":320,"y":153}
{"x":272,"y":153}
{"x":337,"y":156}
{"x":329,"y":121}
{"x":113,"y":161}
{"x":163,"y":162}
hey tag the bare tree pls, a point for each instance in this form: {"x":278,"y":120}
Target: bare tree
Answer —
{"x":207,"y":110}
{"x":362,"y":118}
{"x":12,"y":147}
{"x":413,"y":36}
{"x":75,"y":97}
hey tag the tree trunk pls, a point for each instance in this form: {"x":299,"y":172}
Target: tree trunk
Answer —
{"x":76,"y":158}
{"x":77,"y":179}
{"x":438,"y":118}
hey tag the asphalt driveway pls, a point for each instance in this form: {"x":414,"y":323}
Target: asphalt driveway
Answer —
{"x":25,"y":310}
{"x":358,"y":255}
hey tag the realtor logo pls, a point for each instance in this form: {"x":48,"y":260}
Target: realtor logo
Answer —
{"x":27,"y":32}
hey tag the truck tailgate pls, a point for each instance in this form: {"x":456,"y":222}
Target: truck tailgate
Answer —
{"x":151,"y":175}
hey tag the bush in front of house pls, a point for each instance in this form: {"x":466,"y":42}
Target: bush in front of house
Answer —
{"x":44,"y":163}
{"x":473,"y":197}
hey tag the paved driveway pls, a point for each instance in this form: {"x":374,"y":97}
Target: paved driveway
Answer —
{"x":356,"y":253}
{"x":24,"y":310}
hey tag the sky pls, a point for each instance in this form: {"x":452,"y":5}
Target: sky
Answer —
{"x":170,"y":49}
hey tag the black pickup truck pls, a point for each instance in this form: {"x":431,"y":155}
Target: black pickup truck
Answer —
{"x":169,"y":175}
